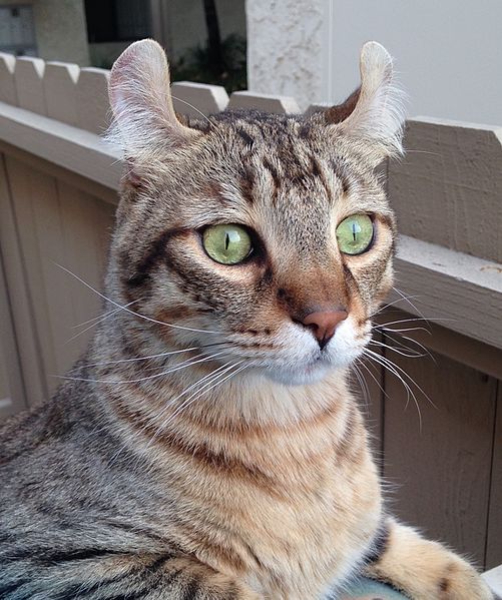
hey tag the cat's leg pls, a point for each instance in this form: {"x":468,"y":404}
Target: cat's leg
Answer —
{"x":118,"y":576}
{"x":424,"y":570}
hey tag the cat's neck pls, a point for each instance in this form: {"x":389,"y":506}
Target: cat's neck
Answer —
{"x":248,"y":419}
{"x":159,"y":395}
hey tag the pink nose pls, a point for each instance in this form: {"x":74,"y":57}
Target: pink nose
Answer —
{"x":324,"y":323}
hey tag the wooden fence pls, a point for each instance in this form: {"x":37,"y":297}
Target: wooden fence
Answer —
{"x":58,"y":185}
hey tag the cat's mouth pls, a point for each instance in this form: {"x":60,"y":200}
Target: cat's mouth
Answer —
{"x":312,"y":372}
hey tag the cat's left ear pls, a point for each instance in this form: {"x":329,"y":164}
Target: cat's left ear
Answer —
{"x":140,"y":97}
{"x":374,"y":114}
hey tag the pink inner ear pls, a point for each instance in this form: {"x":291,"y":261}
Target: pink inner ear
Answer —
{"x":141,"y":103}
{"x":139,"y":81}
{"x":131,"y":174}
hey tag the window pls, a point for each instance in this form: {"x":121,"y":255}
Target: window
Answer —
{"x":17,"y":31}
{"x":117,"y":20}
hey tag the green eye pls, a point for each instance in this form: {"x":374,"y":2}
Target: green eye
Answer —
{"x":355,"y":234}
{"x":227,"y":244}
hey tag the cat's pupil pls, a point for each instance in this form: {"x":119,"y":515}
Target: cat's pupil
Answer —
{"x":354,"y":231}
{"x":227,"y":241}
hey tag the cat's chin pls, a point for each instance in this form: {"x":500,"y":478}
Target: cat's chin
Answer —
{"x":309,"y":374}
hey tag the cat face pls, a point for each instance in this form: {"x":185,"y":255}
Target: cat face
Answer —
{"x":261,"y":238}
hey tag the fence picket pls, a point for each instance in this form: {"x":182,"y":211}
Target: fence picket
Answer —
{"x":265,"y":102}
{"x":7,"y":83}
{"x":28,"y":76}
{"x":317,"y":107}
{"x":93,"y":107}
{"x":448,"y":188}
{"x":60,"y":90}
{"x":191,"y":99}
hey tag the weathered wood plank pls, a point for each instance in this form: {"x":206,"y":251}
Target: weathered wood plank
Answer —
{"x":93,"y":107}
{"x":441,"y":468}
{"x":33,"y":191}
{"x":7,"y":83}
{"x":494,"y":541}
{"x":60,"y":91}
{"x":265,"y":102}
{"x":192,"y":99}
{"x":87,"y":224}
{"x":22,"y":305}
{"x":28,"y":76}
{"x":448,"y":188}
{"x":59,"y":225}
{"x":463,"y":290}
{"x":84,"y":184}
{"x":12,"y":396}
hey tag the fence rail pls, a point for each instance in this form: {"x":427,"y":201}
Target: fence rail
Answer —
{"x":58,"y":183}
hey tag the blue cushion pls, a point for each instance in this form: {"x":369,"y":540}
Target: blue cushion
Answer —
{"x":366,"y":589}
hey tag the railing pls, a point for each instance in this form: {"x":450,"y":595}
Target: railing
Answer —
{"x":58,"y":184}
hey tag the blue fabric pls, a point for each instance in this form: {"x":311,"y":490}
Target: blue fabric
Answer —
{"x":366,"y":589}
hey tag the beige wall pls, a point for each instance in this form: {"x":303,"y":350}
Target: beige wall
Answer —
{"x":60,"y":28}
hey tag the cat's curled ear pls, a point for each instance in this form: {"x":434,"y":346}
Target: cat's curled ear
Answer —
{"x":140,"y":98}
{"x":374,"y":114}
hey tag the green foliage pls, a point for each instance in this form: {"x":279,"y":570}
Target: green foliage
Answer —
{"x":196,"y":65}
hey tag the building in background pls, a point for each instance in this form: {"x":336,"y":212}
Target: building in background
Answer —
{"x":205,"y":39}
{"x":51,"y":29}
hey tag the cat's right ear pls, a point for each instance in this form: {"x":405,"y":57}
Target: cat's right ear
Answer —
{"x":140,"y":98}
{"x":373,"y":116}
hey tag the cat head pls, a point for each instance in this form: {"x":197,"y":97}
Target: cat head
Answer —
{"x":259,"y":238}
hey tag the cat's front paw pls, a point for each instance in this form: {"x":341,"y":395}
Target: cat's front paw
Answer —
{"x":460,"y":581}
{"x":425,"y":570}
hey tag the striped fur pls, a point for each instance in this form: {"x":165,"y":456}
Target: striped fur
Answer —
{"x":206,"y":447}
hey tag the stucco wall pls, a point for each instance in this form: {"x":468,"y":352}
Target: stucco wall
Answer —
{"x":286,"y":48}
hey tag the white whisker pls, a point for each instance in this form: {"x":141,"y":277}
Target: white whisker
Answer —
{"x":372,"y":375}
{"x":210,"y":376}
{"x":386,"y":330}
{"x":196,"y":395}
{"x":101,"y":316}
{"x":193,"y":107}
{"x":141,"y":358}
{"x":132,"y":312}
{"x":212,"y":380}
{"x":188,"y":363}
{"x":392,"y":368}
{"x":96,"y":320}
{"x":389,"y":304}
{"x":397,"y":339}
{"x":410,"y":354}
{"x":362,"y":384}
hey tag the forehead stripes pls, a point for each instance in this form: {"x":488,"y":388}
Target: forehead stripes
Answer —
{"x":276,"y":157}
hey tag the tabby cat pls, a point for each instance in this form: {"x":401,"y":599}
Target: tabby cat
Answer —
{"x":208,"y":445}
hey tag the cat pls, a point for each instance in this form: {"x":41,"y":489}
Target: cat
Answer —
{"x":208,"y":445}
